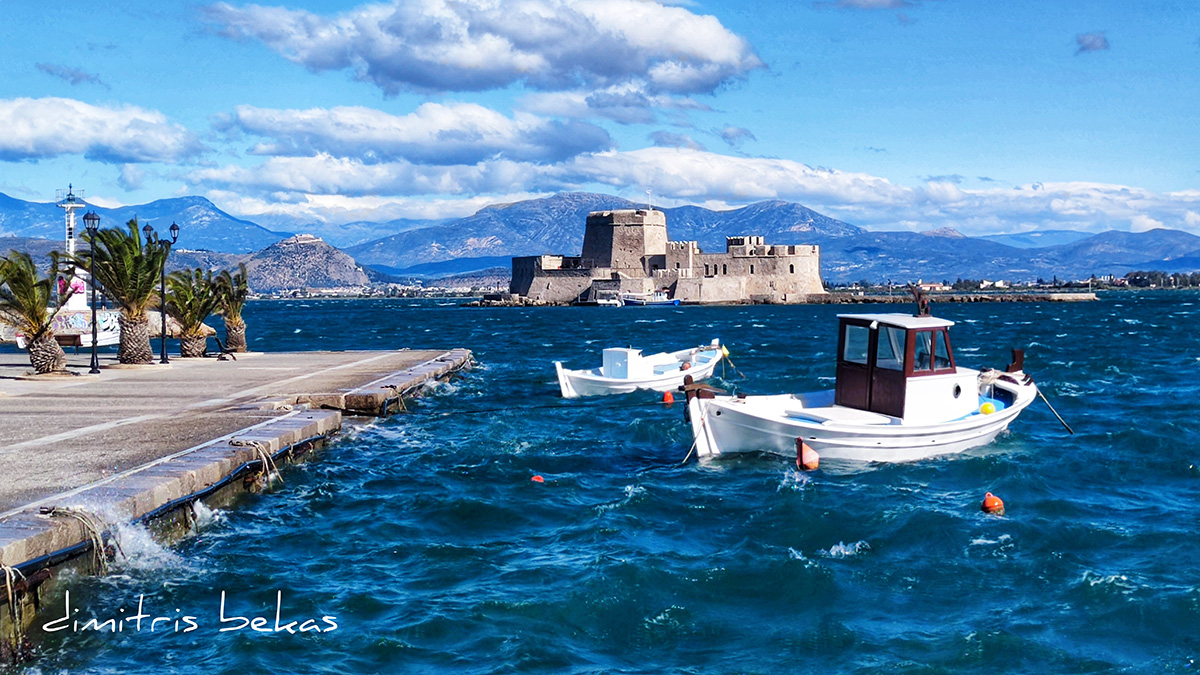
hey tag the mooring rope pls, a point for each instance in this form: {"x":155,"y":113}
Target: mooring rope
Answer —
{"x":14,"y":608}
{"x":269,"y":468}
{"x":93,"y":527}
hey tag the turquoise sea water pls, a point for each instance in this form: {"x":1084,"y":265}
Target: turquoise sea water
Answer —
{"x":427,"y":540}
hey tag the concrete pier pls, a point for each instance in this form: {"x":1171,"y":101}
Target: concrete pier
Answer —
{"x":142,"y":443}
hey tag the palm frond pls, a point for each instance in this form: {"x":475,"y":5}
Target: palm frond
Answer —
{"x":192,"y":296}
{"x":234,"y":290}
{"x":126,"y":267}
{"x":27,"y":298}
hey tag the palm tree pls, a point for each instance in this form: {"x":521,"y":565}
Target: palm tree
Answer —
{"x":234,"y":289}
{"x":191,"y":297}
{"x":26,"y":303}
{"x":128,"y":270}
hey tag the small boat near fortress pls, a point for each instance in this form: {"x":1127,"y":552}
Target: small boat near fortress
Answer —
{"x":899,"y":396}
{"x":625,"y":369}
{"x":657,"y":298}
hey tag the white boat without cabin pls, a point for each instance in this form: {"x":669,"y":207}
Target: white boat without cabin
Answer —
{"x":625,"y":369}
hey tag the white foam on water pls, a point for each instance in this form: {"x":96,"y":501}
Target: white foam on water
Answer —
{"x":206,"y":517}
{"x":1119,"y":583}
{"x":632,"y":492}
{"x":793,"y":479}
{"x":843,"y":550}
{"x":139,"y":550}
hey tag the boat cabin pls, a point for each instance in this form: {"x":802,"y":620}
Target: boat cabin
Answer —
{"x":902,"y":366}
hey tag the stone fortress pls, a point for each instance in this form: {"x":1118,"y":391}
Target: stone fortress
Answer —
{"x":627,"y":251}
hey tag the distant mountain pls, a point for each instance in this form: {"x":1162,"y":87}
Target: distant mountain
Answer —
{"x":182,"y":258}
{"x":343,"y":235}
{"x":1038,"y":239}
{"x":556,"y":225}
{"x":302,"y":261}
{"x":202,"y":225}
{"x":446,"y":267}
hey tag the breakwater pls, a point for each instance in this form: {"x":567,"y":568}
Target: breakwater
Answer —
{"x":213,"y":431}
{"x":835,"y":298}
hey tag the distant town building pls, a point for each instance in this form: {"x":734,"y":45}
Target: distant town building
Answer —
{"x":931,"y":286}
{"x":627,"y":251}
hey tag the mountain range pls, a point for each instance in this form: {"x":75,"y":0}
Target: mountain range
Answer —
{"x":489,"y":237}
{"x":201,"y":224}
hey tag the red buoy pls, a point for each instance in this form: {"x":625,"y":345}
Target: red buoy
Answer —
{"x":668,"y":397}
{"x":992,"y":504}
{"x":538,"y":479}
{"x":807,"y":459}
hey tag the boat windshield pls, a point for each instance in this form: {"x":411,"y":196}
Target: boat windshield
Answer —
{"x":931,"y":351}
{"x":889,"y":354}
{"x":858,"y":341}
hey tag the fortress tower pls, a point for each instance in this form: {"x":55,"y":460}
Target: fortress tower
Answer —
{"x":631,"y":242}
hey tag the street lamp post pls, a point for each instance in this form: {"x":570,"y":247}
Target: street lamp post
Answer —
{"x":92,"y":222}
{"x":162,"y":292}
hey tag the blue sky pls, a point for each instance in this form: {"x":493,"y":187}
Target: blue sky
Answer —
{"x":983,"y":116}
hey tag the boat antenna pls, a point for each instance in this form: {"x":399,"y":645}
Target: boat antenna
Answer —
{"x":920,"y":299}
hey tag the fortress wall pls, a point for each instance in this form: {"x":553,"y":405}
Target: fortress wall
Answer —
{"x":562,"y":285}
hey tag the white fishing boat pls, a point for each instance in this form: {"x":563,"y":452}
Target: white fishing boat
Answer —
{"x":608,"y":299}
{"x":625,"y":370}
{"x":899,"y":396}
{"x":648,"y":299}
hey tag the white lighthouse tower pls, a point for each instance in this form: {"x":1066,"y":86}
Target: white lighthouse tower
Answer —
{"x":70,"y":201}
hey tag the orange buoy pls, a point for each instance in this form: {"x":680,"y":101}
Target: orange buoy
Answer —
{"x":806,"y":458}
{"x":686,"y":366}
{"x":668,"y":397}
{"x":993,"y":504}
{"x":538,"y":479}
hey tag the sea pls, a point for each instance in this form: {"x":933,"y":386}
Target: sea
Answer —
{"x":425,"y":543}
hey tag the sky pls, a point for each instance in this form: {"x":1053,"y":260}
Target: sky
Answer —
{"x":985,"y":116}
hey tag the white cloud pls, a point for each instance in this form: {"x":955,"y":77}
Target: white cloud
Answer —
{"x":624,"y":104}
{"x":475,"y":45}
{"x":325,"y":174}
{"x":346,"y":209}
{"x":735,"y":136}
{"x":1143,"y":223}
{"x":693,"y":175}
{"x":435,"y":133}
{"x":131,"y":177}
{"x":1091,"y":42}
{"x":36,"y":128}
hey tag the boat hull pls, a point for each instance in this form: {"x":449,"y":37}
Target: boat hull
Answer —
{"x":728,"y":425}
{"x":576,"y":383}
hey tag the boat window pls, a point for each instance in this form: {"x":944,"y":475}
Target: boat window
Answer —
{"x":858,"y":339}
{"x":922,"y":350}
{"x":941,"y":354}
{"x":889,"y":354}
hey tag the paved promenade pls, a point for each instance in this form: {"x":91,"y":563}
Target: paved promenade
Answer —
{"x":60,"y":434}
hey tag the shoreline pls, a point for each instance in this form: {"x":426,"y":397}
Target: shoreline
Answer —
{"x":825,"y":299}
